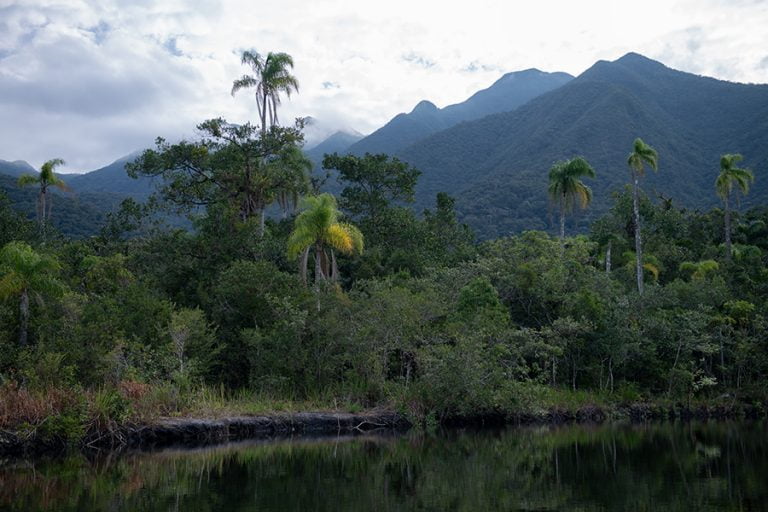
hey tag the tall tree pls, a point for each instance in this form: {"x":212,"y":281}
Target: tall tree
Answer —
{"x":231,"y":165}
{"x":26,"y":274}
{"x":372,"y":184}
{"x":317,"y":227}
{"x":567,"y":189}
{"x":271,"y":76}
{"x":729,"y":176}
{"x":642,"y":154}
{"x":289,"y":175}
{"x":46,"y":178}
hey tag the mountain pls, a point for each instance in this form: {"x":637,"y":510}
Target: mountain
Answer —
{"x":497,"y":166}
{"x":16,"y":168}
{"x":76,"y":215}
{"x":113,"y":179}
{"x":339,"y":142}
{"x":506,"y":94}
{"x":82,"y":210}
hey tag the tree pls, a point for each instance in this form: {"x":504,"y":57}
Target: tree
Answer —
{"x":45,"y":179}
{"x":565,"y":187}
{"x":231,"y":164}
{"x":317,"y":227}
{"x":730,"y":175}
{"x":372,"y":182}
{"x":271,"y":77}
{"x":25,"y":274}
{"x":289,"y":175}
{"x":642,"y":154}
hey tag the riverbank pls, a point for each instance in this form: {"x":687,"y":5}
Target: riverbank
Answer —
{"x":199,"y":431}
{"x":195,"y":431}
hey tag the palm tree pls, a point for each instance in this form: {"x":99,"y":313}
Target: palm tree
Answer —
{"x":642,"y":154}
{"x":25,"y":274}
{"x":565,"y":187}
{"x":730,"y":175}
{"x":317,"y":227}
{"x":45,"y":179}
{"x":271,"y":77}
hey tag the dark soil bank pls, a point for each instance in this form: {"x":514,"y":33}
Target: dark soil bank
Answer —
{"x":192,"y":431}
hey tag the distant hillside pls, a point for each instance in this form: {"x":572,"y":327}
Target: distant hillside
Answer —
{"x":76,"y":215}
{"x":497,"y":166}
{"x":506,"y":94}
{"x":16,"y":168}
{"x":113,"y":179}
{"x":339,"y":142}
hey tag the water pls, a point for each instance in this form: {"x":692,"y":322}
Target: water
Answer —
{"x":696,"y":466}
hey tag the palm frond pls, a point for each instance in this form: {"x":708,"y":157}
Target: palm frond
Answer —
{"x":27,"y":179}
{"x":244,"y":82}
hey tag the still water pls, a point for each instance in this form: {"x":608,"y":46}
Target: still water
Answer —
{"x":684,"y":466}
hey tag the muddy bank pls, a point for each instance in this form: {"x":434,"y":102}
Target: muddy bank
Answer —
{"x":196,"y":431}
{"x":199,"y":431}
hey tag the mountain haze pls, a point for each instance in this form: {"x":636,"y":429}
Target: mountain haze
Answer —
{"x":497,"y":166}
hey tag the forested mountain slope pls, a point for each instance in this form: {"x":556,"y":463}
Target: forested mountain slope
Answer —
{"x":76,"y":215}
{"x":339,"y":142}
{"x":497,"y":166}
{"x":506,"y":94}
{"x":16,"y":169}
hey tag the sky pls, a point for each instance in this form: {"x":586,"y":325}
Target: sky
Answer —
{"x":91,"y":81}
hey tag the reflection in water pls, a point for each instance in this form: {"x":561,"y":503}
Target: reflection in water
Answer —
{"x":713,"y":466}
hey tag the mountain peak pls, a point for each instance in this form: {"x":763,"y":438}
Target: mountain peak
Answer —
{"x":424,"y":106}
{"x":633,"y":59}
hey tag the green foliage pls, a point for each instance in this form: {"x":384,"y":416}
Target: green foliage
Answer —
{"x":372,"y":182}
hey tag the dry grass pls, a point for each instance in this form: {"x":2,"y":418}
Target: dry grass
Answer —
{"x":19,"y":406}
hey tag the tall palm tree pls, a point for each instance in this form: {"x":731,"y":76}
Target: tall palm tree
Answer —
{"x":25,"y":274}
{"x":46,"y":178}
{"x":271,"y":77}
{"x":730,"y":175}
{"x":566,"y":189}
{"x":317,"y":227}
{"x":642,"y":154}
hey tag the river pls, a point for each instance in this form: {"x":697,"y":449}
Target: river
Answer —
{"x":650,"y":467}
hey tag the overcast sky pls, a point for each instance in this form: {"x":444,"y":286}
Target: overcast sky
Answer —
{"x":90,"y":81}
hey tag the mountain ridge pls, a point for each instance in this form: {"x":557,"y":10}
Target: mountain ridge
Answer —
{"x":507,"y":93}
{"x":690,"y":120}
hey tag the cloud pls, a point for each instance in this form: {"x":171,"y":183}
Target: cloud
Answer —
{"x":419,"y":60}
{"x":476,"y":65}
{"x":92,"y":80}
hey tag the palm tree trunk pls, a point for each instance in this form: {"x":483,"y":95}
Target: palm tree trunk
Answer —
{"x":638,"y":242}
{"x":562,"y":219}
{"x":608,"y":257}
{"x":23,"y":317}
{"x":319,"y":276}
{"x":49,"y":200}
{"x":334,"y":267}
{"x":303,"y":265}
{"x":728,"y":249}
{"x":41,"y":206}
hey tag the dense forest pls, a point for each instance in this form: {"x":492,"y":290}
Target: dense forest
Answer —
{"x":355,"y":301}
